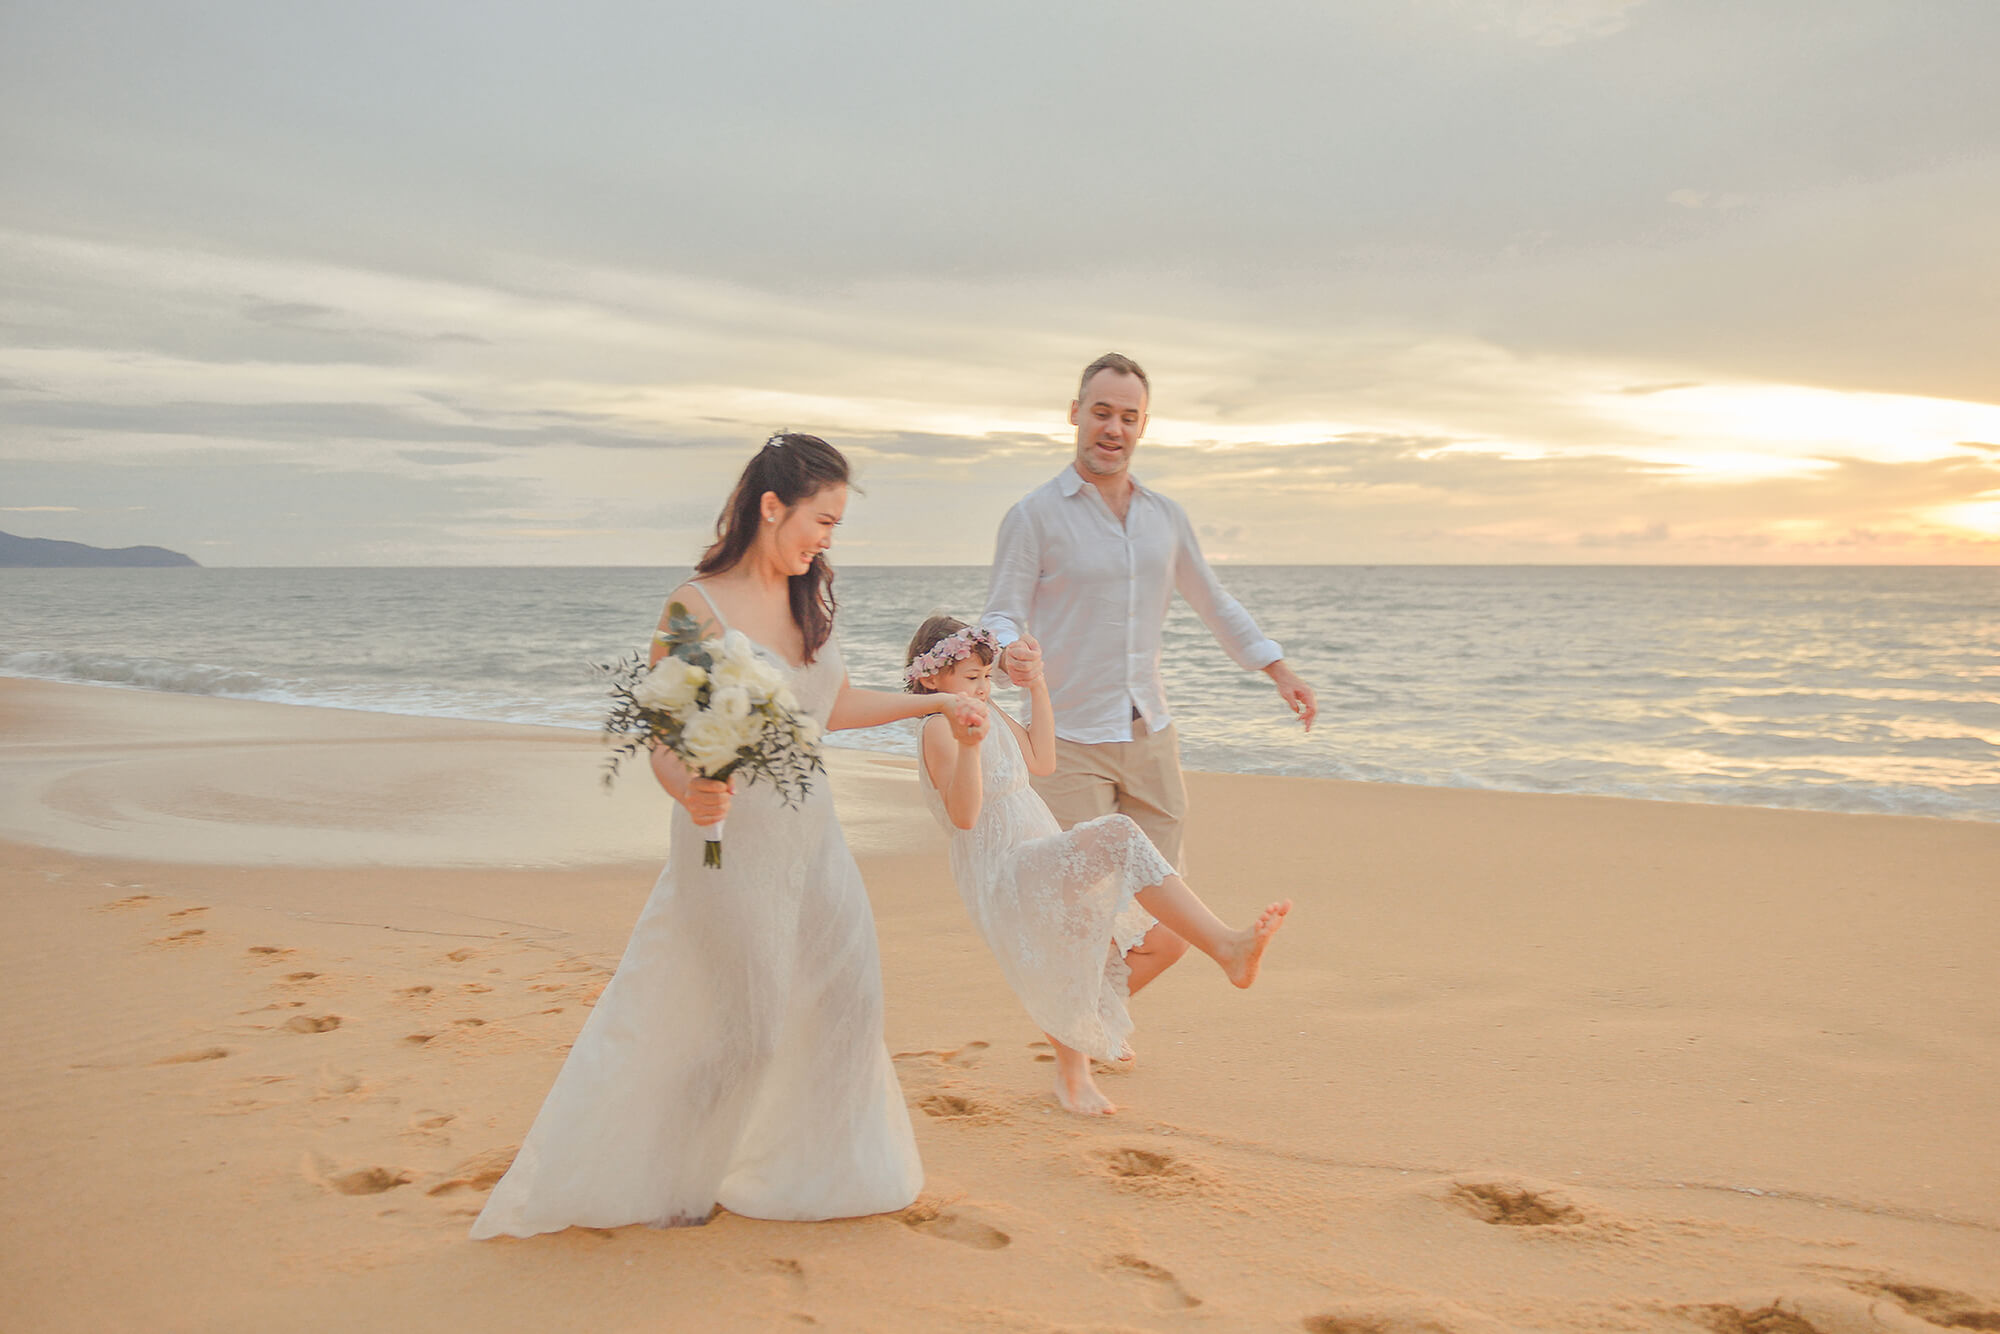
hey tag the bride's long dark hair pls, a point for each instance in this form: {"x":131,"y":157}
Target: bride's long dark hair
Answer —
{"x":792,"y":467}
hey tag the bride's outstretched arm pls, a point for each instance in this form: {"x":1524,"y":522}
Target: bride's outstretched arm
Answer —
{"x":872,"y":708}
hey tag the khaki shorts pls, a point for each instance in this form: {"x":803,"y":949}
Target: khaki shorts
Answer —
{"x":1140,"y":778}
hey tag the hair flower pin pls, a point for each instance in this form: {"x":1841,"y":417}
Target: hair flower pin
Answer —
{"x":954,"y":647}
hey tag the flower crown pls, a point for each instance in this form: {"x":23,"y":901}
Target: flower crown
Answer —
{"x":941,"y":655}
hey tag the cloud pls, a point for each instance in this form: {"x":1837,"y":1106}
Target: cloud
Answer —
{"x":445,"y":458}
{"x":1705,"y":199}
{"x":932,"y":447}
{"x":308,"y":423}
{"x":287,"y":312}
{"x":1427,"y":241}
{"x":1549,"y":22}
{"x":1653,"y":534}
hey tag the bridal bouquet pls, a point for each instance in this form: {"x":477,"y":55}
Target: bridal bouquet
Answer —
{"x":719,"y":707}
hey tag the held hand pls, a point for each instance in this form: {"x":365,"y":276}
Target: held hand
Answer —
{"x":1023,"y":661}
{"x":1296,"y":693}
{"x":967,"y":719}
{"x":707,"y":800}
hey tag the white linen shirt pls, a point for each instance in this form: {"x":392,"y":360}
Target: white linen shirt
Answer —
{"x":1095,"y":592}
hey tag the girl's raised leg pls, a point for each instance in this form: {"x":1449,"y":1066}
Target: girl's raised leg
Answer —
{"x":1239,"y":953}
{"x":1159,"y":951}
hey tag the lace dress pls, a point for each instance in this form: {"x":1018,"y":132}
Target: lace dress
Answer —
{"x":736,"y":1056}
{"x":1055,"y":906}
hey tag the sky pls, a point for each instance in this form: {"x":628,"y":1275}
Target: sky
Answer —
{"x":1433,"y":281}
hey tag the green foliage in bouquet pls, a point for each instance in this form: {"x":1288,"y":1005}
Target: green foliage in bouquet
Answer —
{"x":719,"y":707}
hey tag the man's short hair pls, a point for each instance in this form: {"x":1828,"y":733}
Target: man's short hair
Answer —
{"x":1112,"y":361}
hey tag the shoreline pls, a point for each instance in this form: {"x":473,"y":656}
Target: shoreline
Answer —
{"x":578,"y":732}
{"x":1518,"y":1061}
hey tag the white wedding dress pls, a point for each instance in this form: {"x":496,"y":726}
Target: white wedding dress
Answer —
{"x":1055,"y":906}
{"x":736,"y":1056}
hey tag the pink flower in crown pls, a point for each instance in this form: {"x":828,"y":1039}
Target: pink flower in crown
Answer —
{"x":954,"y":647}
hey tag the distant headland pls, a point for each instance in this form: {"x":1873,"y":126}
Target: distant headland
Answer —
{"x":46,"y":554}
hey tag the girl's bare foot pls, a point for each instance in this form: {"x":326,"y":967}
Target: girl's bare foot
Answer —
{"x":1075,"y":1089}
{"x":1246,"y":952}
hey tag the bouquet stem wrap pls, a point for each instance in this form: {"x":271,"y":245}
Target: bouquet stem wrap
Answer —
{"x":711,"y":850}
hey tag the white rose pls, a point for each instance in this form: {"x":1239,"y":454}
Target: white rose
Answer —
{"x":710,"y":741}
{"x":768,"y":679}
{"x":732,"y":702}
{"x":785,"y":699}
{"x":749,"y":671}
{"x":670,"y":686}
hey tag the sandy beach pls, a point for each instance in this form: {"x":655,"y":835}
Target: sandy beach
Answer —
{"x":285,"y":986}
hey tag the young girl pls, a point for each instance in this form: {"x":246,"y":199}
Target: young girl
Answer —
{"x":1059,"y":909}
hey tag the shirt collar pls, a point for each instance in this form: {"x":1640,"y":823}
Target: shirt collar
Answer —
{"x":1070,"y":481}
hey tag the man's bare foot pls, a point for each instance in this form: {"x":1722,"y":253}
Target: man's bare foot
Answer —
{"x":1246,"y":951}
{"x":1075,"y":1089}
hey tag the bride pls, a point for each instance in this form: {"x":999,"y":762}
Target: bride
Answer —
{"x":736,"y":1056}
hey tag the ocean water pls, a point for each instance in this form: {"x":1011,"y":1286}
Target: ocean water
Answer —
{"x":1848,"y":689}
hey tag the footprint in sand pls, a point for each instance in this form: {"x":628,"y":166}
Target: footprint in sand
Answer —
{"x":312,"y":1023}
{"x":272,"y":950}
{"x":482,"y":1171}
{"x":1162,"y":1288}
{"x":189,"y":1057}
{"x":957,"y":1107}
{"x":933,"y":1220}
{"x":414,"y":992}
{"x":419,"y":1039}
{"x":300,"y":977}
{"x":1152,"y":1171}
{"x":1772,"y":1319}
{"x":460,"y":956}
{"x":964,"y":1057}
{"x":181,"y":937}
{"x":791,"y":1279}
{"x":371,"y":1180}
{"x":129,"y":901}
{"x":335,"y":1083}
{"x":1414,"y":1319}
{"x":1514,"y":1205}
{"x":353,"y":1181}
{"x":1938,"y":1306}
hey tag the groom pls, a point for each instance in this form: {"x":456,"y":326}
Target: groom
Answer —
{"x":1091,"y":559}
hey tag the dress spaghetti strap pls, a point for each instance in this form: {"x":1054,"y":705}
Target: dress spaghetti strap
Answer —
{"x":713,"y":610}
